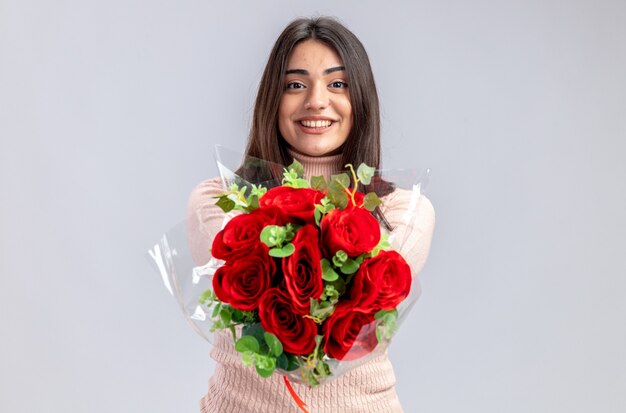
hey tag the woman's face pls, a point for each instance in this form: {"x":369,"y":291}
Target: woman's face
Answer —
{"x":315,"y":114}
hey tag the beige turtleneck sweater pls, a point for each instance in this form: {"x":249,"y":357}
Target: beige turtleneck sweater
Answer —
{"x":367,"y":388}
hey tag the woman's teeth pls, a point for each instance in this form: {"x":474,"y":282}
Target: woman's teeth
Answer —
{"x":316,"y":123}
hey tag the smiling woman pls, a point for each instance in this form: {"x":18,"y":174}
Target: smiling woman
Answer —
{"x":317,"y":103}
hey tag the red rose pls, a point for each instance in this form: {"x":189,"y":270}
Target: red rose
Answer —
{"x":349,"y":334}
{"x":353,"y":230}
{"x":241,"y":234}
{"x":295,"y":332}
{"x":242,"y":281}
{"x":303,"y":269}
{"x":381,"y":283}
{"x":296,"y":203}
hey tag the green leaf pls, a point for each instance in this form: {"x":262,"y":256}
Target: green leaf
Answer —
{"x":338,"y":199}
{"x":292,"y":363}
{"x":365,"y":173}
{"x":255,"y":330}
{"x":282,"y":361}
{"x":321,"y":310}
{"x":299,"y":183}
{"x":371,"y":201}
{"x":206,"y":297}
{"x":225,"y":315}
{"x":339,"y":182}
{"x":269,"y":235}
{"x":259,"y":190}
{"x":225,"y":204}
{"x":265,"y":373}
{"x":285,"y":251}
{"x":328,"y":273}
{"x":216,"y":310}
{"x":236,"y":315}
{"x":247,"y":343}
{"x":297,"y":168}
{"x":350,"y":267}
{"x":248,"y":317}
{"x":247,"y":358}
{"x":265,"y":365}
{"x":322,"y":369}
{"x":342,"y":255}
{"x":319,"y":183}
{"x":253,"y":203}
{"x":333,"y":291}
{"x":318,"y":215}
{"x":265,"y":361}
{"x":290,"y":231}
{"x":273,"y":343}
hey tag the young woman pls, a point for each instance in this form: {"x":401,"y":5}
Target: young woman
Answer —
{"x":317,"y":103}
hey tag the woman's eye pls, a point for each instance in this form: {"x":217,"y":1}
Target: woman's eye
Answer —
{"x":294,"y":85}
{"x":339,"y":84}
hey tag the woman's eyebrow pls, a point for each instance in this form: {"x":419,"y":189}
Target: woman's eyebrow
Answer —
{"x":306,"y":72}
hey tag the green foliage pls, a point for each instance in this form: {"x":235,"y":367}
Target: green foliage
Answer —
{"x":287,"y":362}
{"x":264,"y":365}
{"x":338,"y":199}
{"x":258,"y":191}
{"x":206,"y":297}
{"x":277,"y":236}
{"x":314,"y":367}
{"x":319,"y":183}
{"x":345,"y":263}
{"x":333,"y":290}
{"x":225,"y":204}
{"x":387,"y":324}
{"x":277,"y":239}
{"x":274,"y":344}
{"x":255,"y":330}
{"x":365,"y":173}
{"x":247,"y":343}
{"x":292,"y":176}
{"x":371,"y":201}
{"x":328,"y":273}
{"x":324,"y":208}
{"x":236,"y":198}
{"x":297,"y":168}
{"x":284,"y":251}
{"x":321,"y":310}
{"x":262,"y":349}
{"x":339,"y":182}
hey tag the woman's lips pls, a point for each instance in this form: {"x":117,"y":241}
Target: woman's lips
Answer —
{"x":315,"y":127}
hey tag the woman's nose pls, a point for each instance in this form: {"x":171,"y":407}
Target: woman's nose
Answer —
{"x":317,"y":98}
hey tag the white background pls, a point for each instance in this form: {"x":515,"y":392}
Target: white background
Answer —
{"x":109,"y":111}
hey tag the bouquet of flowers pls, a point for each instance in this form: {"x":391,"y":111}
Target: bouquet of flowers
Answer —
{"x":301,"y":275}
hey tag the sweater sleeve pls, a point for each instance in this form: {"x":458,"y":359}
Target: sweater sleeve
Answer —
{"x":204,"y":218}
{"x":412,"y":232}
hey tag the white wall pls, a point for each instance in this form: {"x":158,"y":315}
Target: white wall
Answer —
{"x":108,"y":115}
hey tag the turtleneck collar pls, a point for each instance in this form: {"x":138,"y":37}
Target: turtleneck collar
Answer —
{"x":318,"y":165}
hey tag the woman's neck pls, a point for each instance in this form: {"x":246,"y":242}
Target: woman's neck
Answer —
{"x":318,"y":165}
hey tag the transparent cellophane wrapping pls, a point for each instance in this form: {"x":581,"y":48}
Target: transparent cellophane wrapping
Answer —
{"x":188,"y":275}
